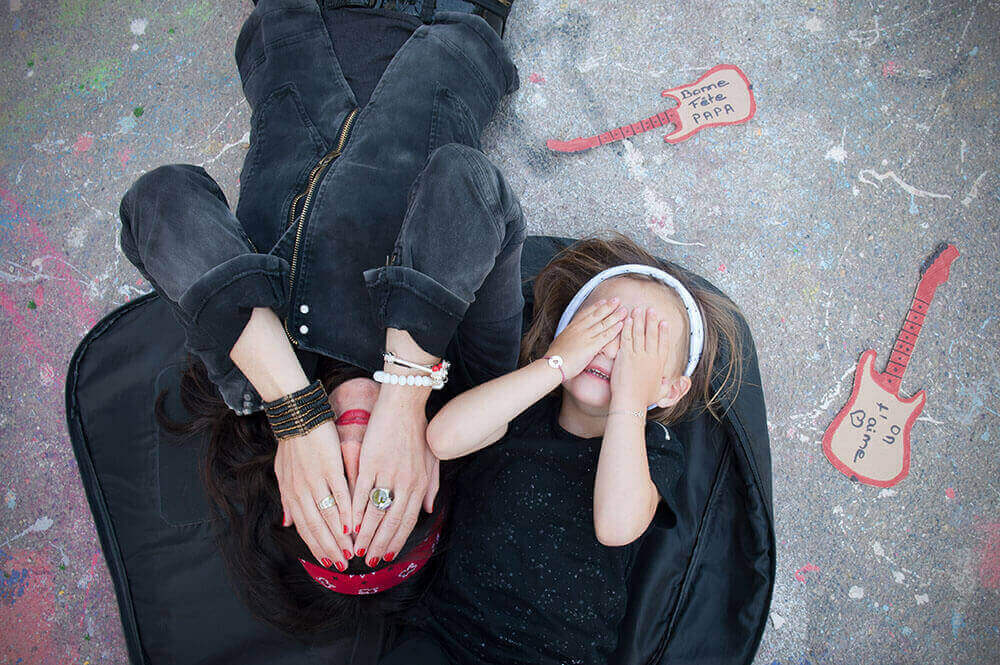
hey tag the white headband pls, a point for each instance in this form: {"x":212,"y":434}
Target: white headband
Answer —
{"x":695,"y":323}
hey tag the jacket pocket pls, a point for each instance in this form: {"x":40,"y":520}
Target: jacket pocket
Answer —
{"x":452,"y":122}
{"x":284,"y":145}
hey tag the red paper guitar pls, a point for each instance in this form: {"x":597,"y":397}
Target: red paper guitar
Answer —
{"x":722,"y":96}
{"x":869,"y":440}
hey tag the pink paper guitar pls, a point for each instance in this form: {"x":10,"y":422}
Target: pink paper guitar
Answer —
{"x":869,"y":440}
{"x":722,"y":96}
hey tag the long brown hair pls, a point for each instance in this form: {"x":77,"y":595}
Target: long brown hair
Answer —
{"x":260,"y":555}
{"x":571,"y":268}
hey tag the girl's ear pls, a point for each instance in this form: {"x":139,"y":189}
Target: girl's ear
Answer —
{"x":672,"y":390}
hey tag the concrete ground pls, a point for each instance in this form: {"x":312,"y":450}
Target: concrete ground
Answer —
{"x":876,"y":137}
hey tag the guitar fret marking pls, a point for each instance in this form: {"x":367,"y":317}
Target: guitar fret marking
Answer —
{"x":903,"y":347}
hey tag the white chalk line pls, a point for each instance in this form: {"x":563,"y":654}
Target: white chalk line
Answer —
{"x":906,"y":187}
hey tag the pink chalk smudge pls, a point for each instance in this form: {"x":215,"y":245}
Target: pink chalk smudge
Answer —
{"x":809,"y":567}
{"x":536,"y":78}
{"x":889,"y":68}
{"x":33,"y":234}
{"x":950,"y":492}
{"x":83,"y":143}
{"x":124,"y":156}
{"x":722,"y":267}
{"x":29,"y":632}
{"x":989,"y":556}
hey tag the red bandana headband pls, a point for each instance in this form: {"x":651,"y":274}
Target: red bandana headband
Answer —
{"x":383,"y":578}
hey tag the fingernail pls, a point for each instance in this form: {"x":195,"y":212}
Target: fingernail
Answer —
{"x":326,"y":562}
{"x":345,"y":528}
{"x":341,"y":566}
{"x":372,"y":561}
{"x":360,"y":551}
{"x":347,"y":554}
{"x":357,"y":528}
{"x":389,"y":556}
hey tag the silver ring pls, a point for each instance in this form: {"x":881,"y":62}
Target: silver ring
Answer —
{"x":381,"y":497}
{"x":327,"y":503}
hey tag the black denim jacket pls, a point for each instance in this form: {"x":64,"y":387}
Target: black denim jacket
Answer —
{"x":323,"y":190}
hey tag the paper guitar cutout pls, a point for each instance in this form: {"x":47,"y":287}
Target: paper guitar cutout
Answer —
{"x":722,"y":96}
{"x":869,"y":440}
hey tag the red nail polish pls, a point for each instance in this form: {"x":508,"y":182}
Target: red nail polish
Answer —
{"x":389,"y":556}
{"x":372,"y":562}
{"x":357,"y":528}
{"x":341,"y":566}
{"x":360,"y":551}
{"x":326,"y":562}
{"x":347,"y":554}
{"x":345,"y":528}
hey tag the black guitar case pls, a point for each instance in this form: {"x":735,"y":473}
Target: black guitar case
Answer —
{"x":700,"y":590}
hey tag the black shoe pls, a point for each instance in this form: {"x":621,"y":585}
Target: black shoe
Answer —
{"x":494,"y":11}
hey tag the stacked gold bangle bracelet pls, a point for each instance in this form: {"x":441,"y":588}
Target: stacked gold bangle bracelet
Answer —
{"x":297,"y":413}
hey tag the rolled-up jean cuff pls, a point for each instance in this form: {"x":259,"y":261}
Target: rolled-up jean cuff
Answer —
{"x":220,"y":302}
{"x":409,"y":300}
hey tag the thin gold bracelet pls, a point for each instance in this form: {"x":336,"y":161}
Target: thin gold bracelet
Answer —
{"x":637,"y":414}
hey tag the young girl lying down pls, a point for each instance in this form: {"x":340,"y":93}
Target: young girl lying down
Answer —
{"x":569,"y":458}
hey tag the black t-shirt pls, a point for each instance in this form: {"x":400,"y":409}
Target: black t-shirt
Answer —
{"x":365,"y":40}
{"x":525,"y":579}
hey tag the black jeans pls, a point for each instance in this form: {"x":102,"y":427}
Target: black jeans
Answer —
{"x":453,"y":280}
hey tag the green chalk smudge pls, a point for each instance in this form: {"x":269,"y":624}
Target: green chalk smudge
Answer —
{"x":138,"y":111}
{"x":31,"y":304}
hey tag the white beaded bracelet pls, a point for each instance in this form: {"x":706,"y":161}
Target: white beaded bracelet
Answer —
{"x":407,"y":380}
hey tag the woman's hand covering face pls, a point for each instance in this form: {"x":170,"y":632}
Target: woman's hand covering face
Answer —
{"x":394,"y":455}
{"x":310,"y":468}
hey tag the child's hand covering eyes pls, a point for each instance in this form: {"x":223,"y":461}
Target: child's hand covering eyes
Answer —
{"x":642,"y":357}
{"x":589,"y":331}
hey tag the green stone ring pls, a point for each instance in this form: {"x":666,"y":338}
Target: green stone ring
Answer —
{"x":381,"y":497}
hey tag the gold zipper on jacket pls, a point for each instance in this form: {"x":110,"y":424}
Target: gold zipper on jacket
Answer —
{"x":306,"y":198}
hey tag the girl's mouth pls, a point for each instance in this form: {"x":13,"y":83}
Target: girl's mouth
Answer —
{"x":598,"y":373}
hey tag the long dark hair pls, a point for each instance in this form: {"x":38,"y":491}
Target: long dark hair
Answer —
{"x":557,"y":283}
{"x":260,"y":555}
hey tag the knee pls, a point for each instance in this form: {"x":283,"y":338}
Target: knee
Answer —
{"x":144,"y":203}
{"x":466,"y":169}
{"x":165,"y":179}
{"x":474,"y":181}
{"x":457,"y":159}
